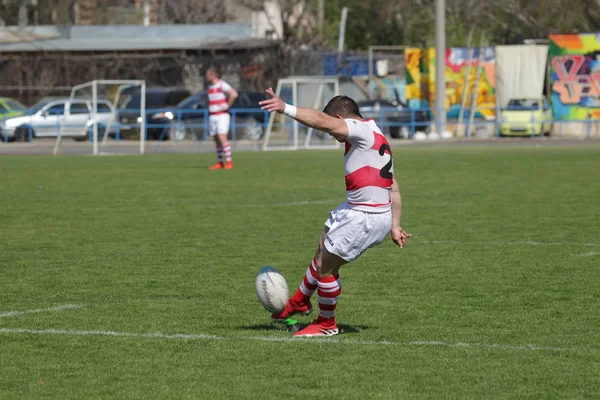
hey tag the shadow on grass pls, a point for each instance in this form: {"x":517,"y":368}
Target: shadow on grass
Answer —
{"x":344,"y":329}
{"x":351,"y":328}
{"x":263,"y":327}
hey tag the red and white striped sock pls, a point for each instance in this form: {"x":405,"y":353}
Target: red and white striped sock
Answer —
{"x":220,"y":154}
{"x":308,"y":285}
{"x":329,"y":290}
{"x":227,"y":152}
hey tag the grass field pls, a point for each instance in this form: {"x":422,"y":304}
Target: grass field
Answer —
{"x":142,"y":272}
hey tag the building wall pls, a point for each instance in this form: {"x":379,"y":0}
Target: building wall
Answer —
{"x":420,"y":76}
{"x":109,"y":12}
{"x":266,"y":22}
{"x":575,"y":76}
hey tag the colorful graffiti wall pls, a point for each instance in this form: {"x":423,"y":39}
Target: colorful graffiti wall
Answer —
{"x":420,"y":79}
{"x":575,"y":76}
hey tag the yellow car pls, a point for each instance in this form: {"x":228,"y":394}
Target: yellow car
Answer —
{"x":526,"y":117}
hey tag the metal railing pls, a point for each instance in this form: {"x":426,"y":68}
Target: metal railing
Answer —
{"x":191,"y":123}
{"x":251,"y":124}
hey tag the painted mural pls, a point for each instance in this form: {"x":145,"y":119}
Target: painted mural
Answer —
{"x":420,"y":77}
{"x":575,"y":76}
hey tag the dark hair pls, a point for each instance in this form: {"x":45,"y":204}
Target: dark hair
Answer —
{"x":216,"y":70}
{"x":343,"y":106}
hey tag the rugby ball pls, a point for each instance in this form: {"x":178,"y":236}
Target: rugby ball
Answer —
{"x":271,"y":289}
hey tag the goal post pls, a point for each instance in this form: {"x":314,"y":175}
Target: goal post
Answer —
{"x":98,"y":90}
{"x":285,"y":133}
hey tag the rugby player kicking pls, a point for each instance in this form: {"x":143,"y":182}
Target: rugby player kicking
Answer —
{"x":372,"y":209}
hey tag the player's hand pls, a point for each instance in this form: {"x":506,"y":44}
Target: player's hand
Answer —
{"x":399,"y":236}
{"x":273,"y":103}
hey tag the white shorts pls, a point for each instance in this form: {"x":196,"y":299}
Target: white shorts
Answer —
{"x":218,"y":123}
{"x":351,"y":232}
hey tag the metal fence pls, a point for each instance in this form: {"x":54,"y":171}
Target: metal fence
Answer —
{"x":251,"y":123}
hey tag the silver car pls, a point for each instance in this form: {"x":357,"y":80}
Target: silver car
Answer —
{"x":48,"y":117}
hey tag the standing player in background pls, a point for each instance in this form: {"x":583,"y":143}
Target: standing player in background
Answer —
{"x":372,"y":210}
{"x":220,"y":98}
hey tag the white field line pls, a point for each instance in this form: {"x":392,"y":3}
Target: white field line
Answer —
{"x":514,"y":243}
{"x":202,"y":336}
{"x":51,"y":309}
{"x":590,"y":254}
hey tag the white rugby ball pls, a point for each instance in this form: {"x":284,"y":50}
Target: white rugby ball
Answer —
{"x":271,"y":289}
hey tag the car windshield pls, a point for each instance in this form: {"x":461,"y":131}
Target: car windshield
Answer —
{"x":248,"y":100}
{"x":189,"y":102}
{"x":524,"y":104}
{"x":37,"y":107}
{"x":153,"y":100}
{"x":15,"y":105}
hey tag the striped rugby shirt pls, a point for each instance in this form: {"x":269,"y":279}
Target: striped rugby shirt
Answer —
{"x":369,"y":167}
{"x":217,"y":101}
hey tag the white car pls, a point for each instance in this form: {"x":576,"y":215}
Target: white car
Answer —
{"x":48,"y":117}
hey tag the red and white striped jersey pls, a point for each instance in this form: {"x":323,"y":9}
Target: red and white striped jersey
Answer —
{"x":369,"y":167}
{"x":217,"y":101}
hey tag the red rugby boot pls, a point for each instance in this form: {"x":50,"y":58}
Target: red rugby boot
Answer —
{"x":292,"y":309}
{"x":316,"y":329}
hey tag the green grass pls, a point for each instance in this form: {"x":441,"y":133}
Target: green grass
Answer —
{"x":505,"y":253}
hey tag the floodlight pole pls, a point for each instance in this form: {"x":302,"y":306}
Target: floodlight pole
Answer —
{"x":342,"y":38}
{"x":95,"y":115}
{"x":143,"y":115}
{"x":440,"y":66}
{"x":320,"y":15}
{"x":463,"y":100}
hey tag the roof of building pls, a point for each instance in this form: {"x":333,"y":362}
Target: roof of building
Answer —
{"x":128,"y":37}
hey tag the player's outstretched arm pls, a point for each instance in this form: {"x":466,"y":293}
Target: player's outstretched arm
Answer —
{"x":398,"y":235}
{"x":307,"y":116}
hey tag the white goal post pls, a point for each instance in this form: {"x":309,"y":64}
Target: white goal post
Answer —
{"x":94,"y":85}
{"x":304,"y":91}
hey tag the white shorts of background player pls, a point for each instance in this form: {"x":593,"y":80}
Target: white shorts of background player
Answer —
{"x":351,"y":232}
{"x":218,"y":123}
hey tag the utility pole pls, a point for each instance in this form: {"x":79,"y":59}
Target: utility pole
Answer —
{"x":440,"y":66}
{"x":320,"y":15}
{"x":23,"y":15}
{"x":163,"y":11}
{"x":146,"y":10}
{"x":342,"y":36}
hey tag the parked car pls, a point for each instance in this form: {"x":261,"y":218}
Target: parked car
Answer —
{"x":48,"y":117}
{"x":158,"y":100}
{"x":10,"y":107}
{"x":187,"y":120}
{"x":394,"y":119}
{"x":525,"y":117}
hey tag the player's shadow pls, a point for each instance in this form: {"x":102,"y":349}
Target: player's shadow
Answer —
{"x":263,"y":327}
{"x":344,"y":329}
{"x":351,"y":328}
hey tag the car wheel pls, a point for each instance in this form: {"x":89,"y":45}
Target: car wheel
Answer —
{"x":90,"y":134}
{"x":252,"y":129}
{"x":404,"y":132}
{"x":155,"y":134}
{"x":177,"y":132}
{"x":22,"y":134}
